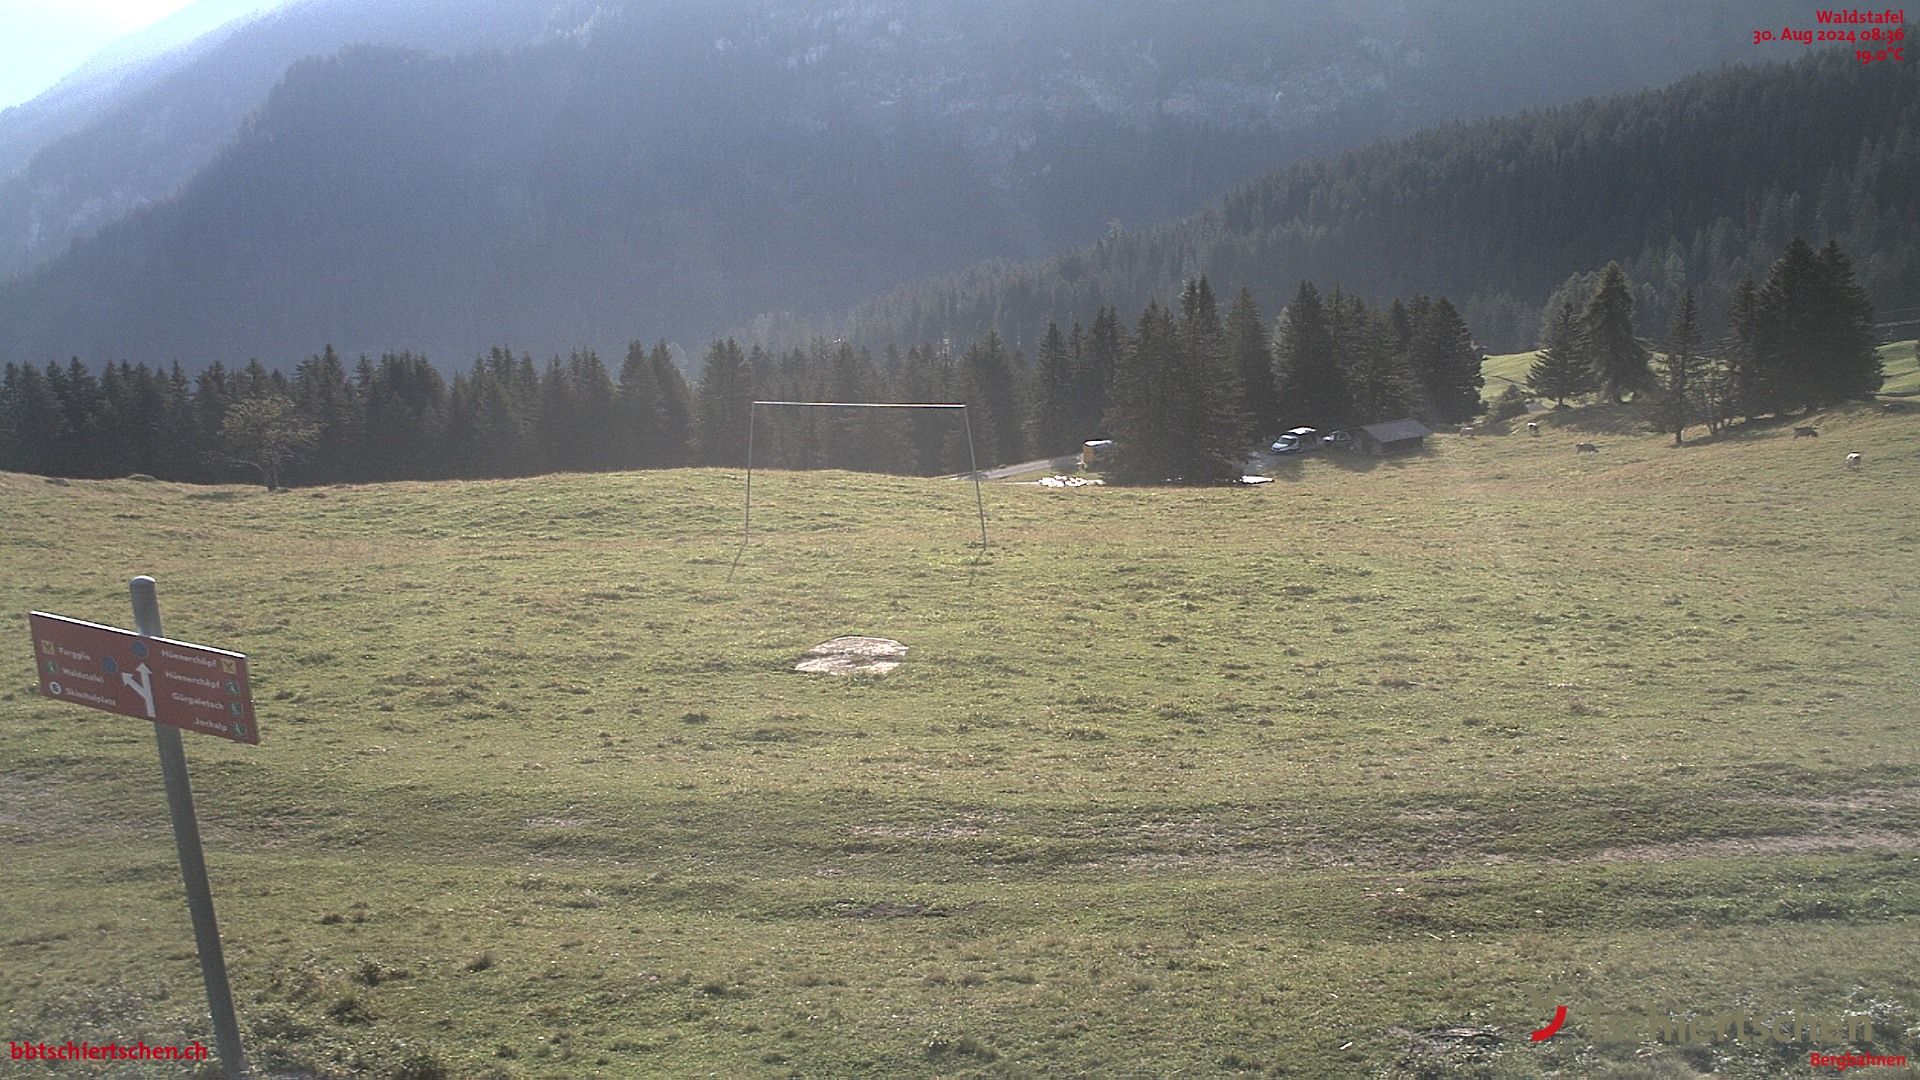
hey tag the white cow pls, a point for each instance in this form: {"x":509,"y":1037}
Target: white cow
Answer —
{"x":1533,"y":428}
{"x":1853,"y":460}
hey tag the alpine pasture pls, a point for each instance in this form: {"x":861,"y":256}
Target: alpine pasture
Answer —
{"x":1345,"y":775}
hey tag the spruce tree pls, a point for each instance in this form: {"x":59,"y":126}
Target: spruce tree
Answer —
{"x":1753,"y":390}
{"x":723,"y":405}
{"x":1789,"y":328}
{"x":673,"y":437}
{"x":1847,"y":366}
{"x":325,"y":398}
{"x":179,"y":453}
{"x":35,"y":424}
{"x":1053,"y":423}
{"x":1106,"y":341}
{"x":1141,"y":415}
{"x":639,"y":410}
{"x":1212,"y":406}
{"x":1251,"y":351}
{"x":1681,"y":369}
{"x":461,"y":447}
{"x":1311,"y":388}
{"x":992,"y":393}
{"x":928,"y":375}
{"x":1372,"y":361}
{"x":211,"y":396}
{"x":1619,"y":360}
{"x":1446,"y":363}
{"x":1562,"y":370}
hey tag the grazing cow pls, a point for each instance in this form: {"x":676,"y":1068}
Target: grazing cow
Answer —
{"x":1585,"y":448}
{"x":1853,"y":461}
{"x":1466,"y":429}
{"x":1805,"y":433}
{"x":1533,"y":428}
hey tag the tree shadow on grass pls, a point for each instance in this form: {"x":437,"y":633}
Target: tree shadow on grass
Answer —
{"x":1781,"y":427}
{"x":1359,"y":462}
{"x":1631,"y":418}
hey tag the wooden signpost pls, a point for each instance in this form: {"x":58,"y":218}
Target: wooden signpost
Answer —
{"x":179,"y":687}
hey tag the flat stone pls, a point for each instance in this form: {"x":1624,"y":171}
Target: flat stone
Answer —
{"x":853,"y":656}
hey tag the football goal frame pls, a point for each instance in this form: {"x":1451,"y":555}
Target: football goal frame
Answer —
{"x":753,"y":416}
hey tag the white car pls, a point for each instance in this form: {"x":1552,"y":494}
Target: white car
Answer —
{"x":1298,"y":440}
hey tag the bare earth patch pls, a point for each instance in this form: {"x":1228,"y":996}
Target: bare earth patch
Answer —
{"x":853,"y":656}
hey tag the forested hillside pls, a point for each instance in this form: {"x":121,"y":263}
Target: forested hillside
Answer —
{"x":100,"y":146}
{"x":1693,"y":186}
{"x":667,"y":166}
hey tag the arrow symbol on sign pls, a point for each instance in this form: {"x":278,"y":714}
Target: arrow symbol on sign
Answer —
{"x":144,"y":687}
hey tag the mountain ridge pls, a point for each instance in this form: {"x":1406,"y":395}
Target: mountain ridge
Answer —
{"x":696,"y":163}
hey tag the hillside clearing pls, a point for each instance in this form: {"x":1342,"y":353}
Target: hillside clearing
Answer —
{"x":1897,"y":358}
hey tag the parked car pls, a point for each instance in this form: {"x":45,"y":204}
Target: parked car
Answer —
{"x":1299,"y":440}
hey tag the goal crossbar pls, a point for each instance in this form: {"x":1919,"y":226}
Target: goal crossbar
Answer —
{"x":753,"y":414}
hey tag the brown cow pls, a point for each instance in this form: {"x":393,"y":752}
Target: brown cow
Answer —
{"x":1585,"y":448}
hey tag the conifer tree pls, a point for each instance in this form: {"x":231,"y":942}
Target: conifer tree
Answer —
{"x":211,"y":396}
{"x":673,"y":438}
{"x":1681,"y":369}
{"x":1789,"y":331}
{"x":638,"y":408}
{"x":1445,"y":362}
{"x":1619,"y":360}
{"x":1753,"y":387}
{"x":1812,"y":332}
{"x":1106,"y":342}
{"x":1311,"y":388}
{"x":1055,"y":388}
{"x":33,"y":426}
{"x":928,"y":375}
{"x":78,"y":393}
{"x":1140,"y":410}
{"x":325,"y":398}
{"x":722,"y":406}
{"x":1251,"y":351}
{"x":404,"y":420}
{"x":1847,"y":366}
{"x":993,"y":396}
{"x":1561,"y":371}
{"x":1212,"y":404}
{"x":179,"y":448}
{"x":460,"y":445}
{"x":1170,"y":414}
{"x":554,"y":419}
{"x":1371,"y":361}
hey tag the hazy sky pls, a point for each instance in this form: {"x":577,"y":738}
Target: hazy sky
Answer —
{"x":41,"y":40}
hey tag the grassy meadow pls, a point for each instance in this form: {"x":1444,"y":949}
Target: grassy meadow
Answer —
{"x":1342,"y":776}
{"x":1898,"y":359}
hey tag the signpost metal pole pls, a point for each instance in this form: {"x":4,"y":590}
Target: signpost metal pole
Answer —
{"x":193,"y":864}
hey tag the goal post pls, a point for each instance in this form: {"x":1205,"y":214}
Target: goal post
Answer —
{"x":753,"y":415}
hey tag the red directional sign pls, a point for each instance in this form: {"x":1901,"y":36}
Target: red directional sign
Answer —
{"x":191,"y":687}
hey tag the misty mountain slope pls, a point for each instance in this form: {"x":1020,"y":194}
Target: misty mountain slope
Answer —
{"x":128,"y":141}
{"x":672,"y":167}
{"x":1692,"y":186}
{"x":115,"y":74}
